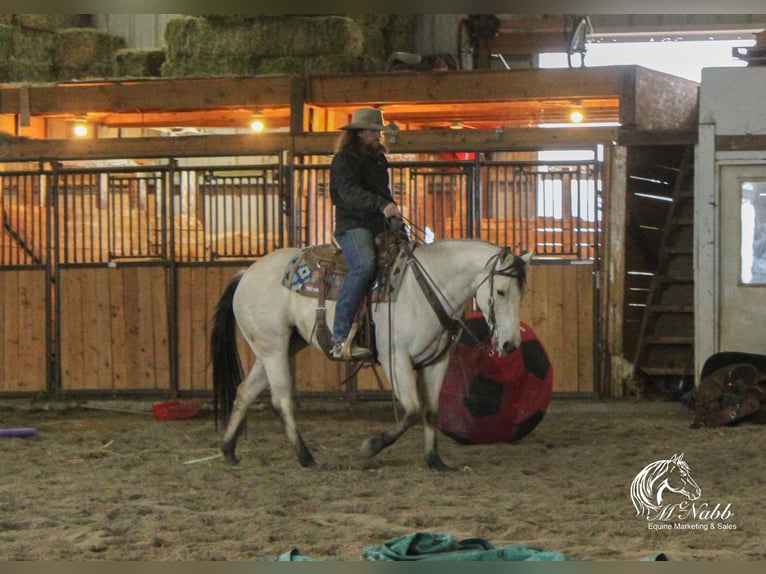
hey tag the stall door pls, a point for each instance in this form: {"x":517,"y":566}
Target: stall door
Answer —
{"x":742,"y":270}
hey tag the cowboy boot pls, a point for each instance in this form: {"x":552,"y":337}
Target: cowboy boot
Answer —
{"x":350,"y":351}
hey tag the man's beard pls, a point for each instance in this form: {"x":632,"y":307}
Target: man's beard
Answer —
{"x":376,"y":147}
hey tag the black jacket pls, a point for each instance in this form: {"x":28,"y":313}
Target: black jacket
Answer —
{"x":359,"y":190}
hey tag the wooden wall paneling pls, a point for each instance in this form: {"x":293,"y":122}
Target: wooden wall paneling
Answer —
{"x":154,"y":289}
{"x":97,"y":320}
{"x":367,"y":381}
{"x":315,"y":373}
{"x":190,"y":290}
{"x":71,"y":329}
{"x":585,"y":340}
{"x":22,"y":344}
{"x":567,"y":309}
{"x":121,"y":341}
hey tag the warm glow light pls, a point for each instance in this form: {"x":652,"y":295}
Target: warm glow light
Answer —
{"x":80,"y":130}
{"x":257,"y":125}
{"x":576,"y":116}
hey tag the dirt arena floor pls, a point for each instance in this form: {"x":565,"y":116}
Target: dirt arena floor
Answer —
{"x":104,"y":485}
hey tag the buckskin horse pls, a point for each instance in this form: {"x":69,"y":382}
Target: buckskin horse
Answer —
{"x":413,"y":333}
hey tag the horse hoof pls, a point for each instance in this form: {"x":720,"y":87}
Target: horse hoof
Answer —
{"x":229,"y":457}
{"x":436,"y":463}
{"x":307,"y":462}
{"x":370,"y":447}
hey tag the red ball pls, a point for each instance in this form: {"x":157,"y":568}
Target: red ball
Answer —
{"x":486,"y":398}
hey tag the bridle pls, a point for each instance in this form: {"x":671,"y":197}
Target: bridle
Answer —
{"x":515,"y":270}
{"x":454,"y":326}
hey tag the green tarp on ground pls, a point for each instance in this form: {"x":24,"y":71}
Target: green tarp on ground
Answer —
{"x":431,"y":546}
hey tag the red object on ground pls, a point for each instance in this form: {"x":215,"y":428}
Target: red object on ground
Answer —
{"x":176,"y":410}
{"x":489,"y":399}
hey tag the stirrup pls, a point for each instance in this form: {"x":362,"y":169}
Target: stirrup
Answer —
{"x":349,"y":350}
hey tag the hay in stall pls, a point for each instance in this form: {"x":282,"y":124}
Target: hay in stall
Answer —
{"x":138,"y":62}
{"x":25,"y":54}
{"x":85,"y":53}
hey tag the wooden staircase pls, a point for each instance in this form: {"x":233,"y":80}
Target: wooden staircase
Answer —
{"x":664,"y":349}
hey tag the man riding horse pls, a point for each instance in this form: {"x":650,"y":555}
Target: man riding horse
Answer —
{"x":360,"y":192}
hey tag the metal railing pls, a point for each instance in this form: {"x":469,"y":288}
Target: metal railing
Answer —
{"x":204,"y":214}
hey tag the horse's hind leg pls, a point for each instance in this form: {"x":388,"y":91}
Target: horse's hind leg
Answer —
{"x":247,"y":391}
{"x":282,"y":401}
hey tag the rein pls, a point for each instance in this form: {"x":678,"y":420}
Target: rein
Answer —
{"x":454,"y":326}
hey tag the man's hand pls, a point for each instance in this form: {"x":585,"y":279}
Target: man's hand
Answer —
{"x":391,"y":210}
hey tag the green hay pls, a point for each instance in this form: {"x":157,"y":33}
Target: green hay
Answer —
{"x":400,"y":34}
{"x":25,"y":55}
{"x":52,"y":22}
{"x":308,"y":36}
{"x":195,"y":47}
{"x":85,"y":53}
{"x":138,"y":63}
{"x":374,"y":43}
{"x":200,"y":46}
{"x":319,"y":65}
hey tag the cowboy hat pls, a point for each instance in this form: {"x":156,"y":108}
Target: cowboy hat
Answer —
{"x":366,"y":119}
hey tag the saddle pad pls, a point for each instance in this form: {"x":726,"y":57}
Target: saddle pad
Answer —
{"x":302,"y":274}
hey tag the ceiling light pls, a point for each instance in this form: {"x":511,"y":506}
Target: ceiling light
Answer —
{"x":256,"y":123}
{"x":80,"y":128}
{"x":576,"y":116}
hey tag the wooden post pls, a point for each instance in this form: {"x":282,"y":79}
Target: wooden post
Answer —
{"x":614,"y":271}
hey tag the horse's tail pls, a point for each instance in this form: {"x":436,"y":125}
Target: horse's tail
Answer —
{"x":227,"y":368}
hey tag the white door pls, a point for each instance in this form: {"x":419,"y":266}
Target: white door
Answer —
{"x":742,"y":279}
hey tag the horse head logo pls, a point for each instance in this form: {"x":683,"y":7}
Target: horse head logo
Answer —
{"x":650,"y":485}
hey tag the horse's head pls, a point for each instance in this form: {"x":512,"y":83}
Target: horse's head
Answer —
{"x":678,"y":479}
{"x":499,"y":298}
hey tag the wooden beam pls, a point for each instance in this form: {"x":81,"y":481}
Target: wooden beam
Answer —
{"x":462,"y":86}
{"x":30,"y":149}
{"x":22,"y":149}
{"x":149,"y":95}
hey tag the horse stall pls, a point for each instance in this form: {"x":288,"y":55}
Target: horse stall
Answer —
{"x":123,"y":264}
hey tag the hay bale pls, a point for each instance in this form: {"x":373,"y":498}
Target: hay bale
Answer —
{"x":204,"y":46}
{"x":308,"y":36}
{"x":25,"y":55}
{"x":374,"y":43}
{"x":6,"y":52}
{"x":197,"y":47}
{"x":334,"y":64}
{"x":399,"y":33}
{"x":52,"y":22}
{"x":138,"y":62}
{"x":85,"y":52}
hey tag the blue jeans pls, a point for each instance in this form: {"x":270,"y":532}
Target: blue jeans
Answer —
{"x":358,"y":247}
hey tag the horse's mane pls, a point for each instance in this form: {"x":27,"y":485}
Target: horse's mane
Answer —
{"x":642,"y":489}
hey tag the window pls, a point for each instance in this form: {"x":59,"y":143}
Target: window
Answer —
{"x":753,"y":236}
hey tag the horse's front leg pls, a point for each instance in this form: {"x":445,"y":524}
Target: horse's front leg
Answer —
{"x":431,"y":379}
{"x":247,"y":391}
{"x":404,"y":382}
